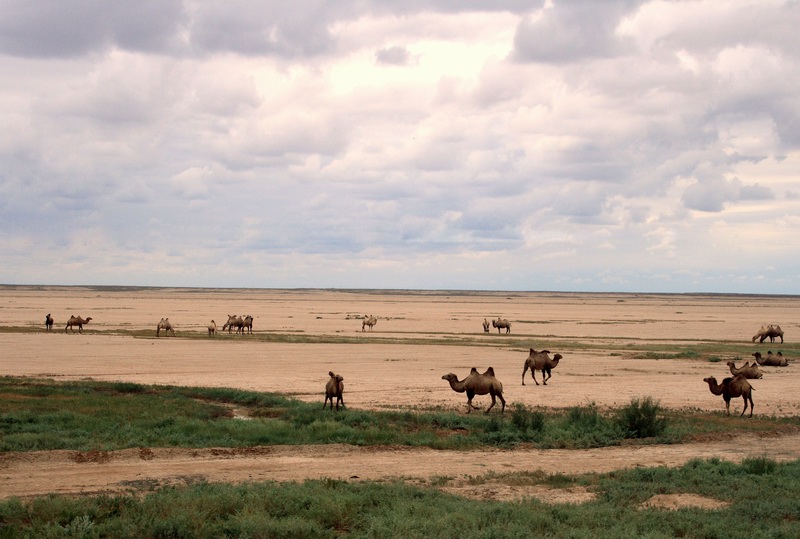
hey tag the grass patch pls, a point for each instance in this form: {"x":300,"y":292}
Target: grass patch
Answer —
{"x":762,"y":501}
{"x":88,"y":415}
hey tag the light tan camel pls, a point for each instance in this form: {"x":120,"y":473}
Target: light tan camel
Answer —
{"x":770,"y":331}
{"x":212,"y":328}
{"x":540,"y":361}
{"x":738,"y":386}
{"x":748,"y":371}
{"x":48,"y":322}
{"x":501,"y":323}
{"x":234,"y":322}
{"x":478,"y":384}
{"x":368,"y":321}
{"x":772,"y":360}
{"x":334,"y":388}
{"x":76,"y":321}
{"x":485,"y":326}
{"x":166,"y":325}
{"x":247,"y":324}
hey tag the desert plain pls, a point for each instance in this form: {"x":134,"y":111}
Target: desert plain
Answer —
{"x":615,"y":347}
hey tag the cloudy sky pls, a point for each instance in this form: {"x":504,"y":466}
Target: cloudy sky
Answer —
{"x":639,"y":146}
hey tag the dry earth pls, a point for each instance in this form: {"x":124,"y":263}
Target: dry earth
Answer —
{"x":419,"y":336}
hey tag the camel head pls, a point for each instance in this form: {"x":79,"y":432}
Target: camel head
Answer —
{"x":450,"y":377}
{"x":556,"y":359}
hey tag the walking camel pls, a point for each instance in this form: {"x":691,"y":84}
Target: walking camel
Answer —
{"x":76,"y":321}
{"x":478,"y":384}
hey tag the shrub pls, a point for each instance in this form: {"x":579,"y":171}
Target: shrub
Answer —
{"x":642,"y":418}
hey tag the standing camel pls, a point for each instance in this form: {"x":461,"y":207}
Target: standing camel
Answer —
{"x":166,"y":325}
{"x":738,"y":386}
{"x":48,"y":322}
{"x":478,"y":384}
{"x":233,"y":321}
{"x":368,"y":321}
{"x":212,"y":328}
{"x":247,"y":324}
{"x":485,"y":326}
{"x":76,"y":321}
{"x":770,"y":331}
{"x":501,"y":323}
{"x":334,"y":388}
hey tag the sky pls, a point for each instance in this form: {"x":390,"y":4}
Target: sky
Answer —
{"x":584,"y":145}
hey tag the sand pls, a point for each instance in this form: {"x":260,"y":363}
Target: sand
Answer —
{"x":419,"y":337}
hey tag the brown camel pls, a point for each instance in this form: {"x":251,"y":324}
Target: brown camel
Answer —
{"x":478,"y":384}
{"x":501,"y":323}
{"x":76,"y":321}
{"x":770,"y":331}
{"x":212,"y":328}
{"x":166,"y":325}
{"x":540,"y":361}
{"x":738,"y":386}
{"x":334,"y":388}
{"x":772,"y":360}
{"x":234,"y":322}
{"x":48,"y":322}
{"x":247,"y":324}
{"x":748,"y":371}
{"x":369,"y":321}
{"x":485,"y":326}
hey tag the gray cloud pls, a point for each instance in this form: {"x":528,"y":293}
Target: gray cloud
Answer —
{"x":519,"y":146}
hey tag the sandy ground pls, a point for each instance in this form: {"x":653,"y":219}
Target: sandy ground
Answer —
{"x":418,"y":338}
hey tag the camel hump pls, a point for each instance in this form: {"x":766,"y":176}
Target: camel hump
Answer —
{"x":330,"y":373}
{"x":489,"y":372}
{"x":473,"y":370}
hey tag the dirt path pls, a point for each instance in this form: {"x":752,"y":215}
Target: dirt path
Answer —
{"x":71,"y":472}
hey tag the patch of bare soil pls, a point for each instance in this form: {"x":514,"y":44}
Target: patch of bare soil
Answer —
{"x":418,"y":338}
{"x":679,"y":501}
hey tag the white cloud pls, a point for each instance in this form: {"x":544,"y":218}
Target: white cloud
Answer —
{"x":394,"y":144}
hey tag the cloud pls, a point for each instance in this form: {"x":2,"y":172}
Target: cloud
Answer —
{"x":445,"y":144}
{"x":394,"y":55}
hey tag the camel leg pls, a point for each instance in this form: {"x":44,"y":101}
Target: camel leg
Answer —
{"x":533,"y":375}
{"x":494,"y":401}
{"x":549,"y":375}
{"x":523,"y":373}
{"x":503,"y":402}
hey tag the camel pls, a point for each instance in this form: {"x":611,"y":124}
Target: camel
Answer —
{"x":485,"y":326}
{"x":233,"y":322}
{"x":334,"y":388}
{"x":748,"y":371}
{"x":368,"y":321}
{"x":212,"y":328}
{"x":770,"y":331}
{"x":76,"y":321}
{"x":540,"y":361}
{"x":772,"y":360}
{"x":501,"y":323}
{"x":48,"y":322}
{"x":478,"y":384}
{"x":166,"y":325}
{"x":247,"y":324}
{"x":738,"y":386}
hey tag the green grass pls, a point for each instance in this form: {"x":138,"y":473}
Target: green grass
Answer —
{"x":88,"y":415}
{"x":761,"y":494}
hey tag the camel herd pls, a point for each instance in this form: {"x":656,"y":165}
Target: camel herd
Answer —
{"x":487,"y":383}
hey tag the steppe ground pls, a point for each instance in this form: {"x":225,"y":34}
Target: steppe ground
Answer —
{"x":419,"y":337}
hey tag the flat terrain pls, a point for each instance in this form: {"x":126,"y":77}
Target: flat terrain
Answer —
{"x":614,"y":347}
